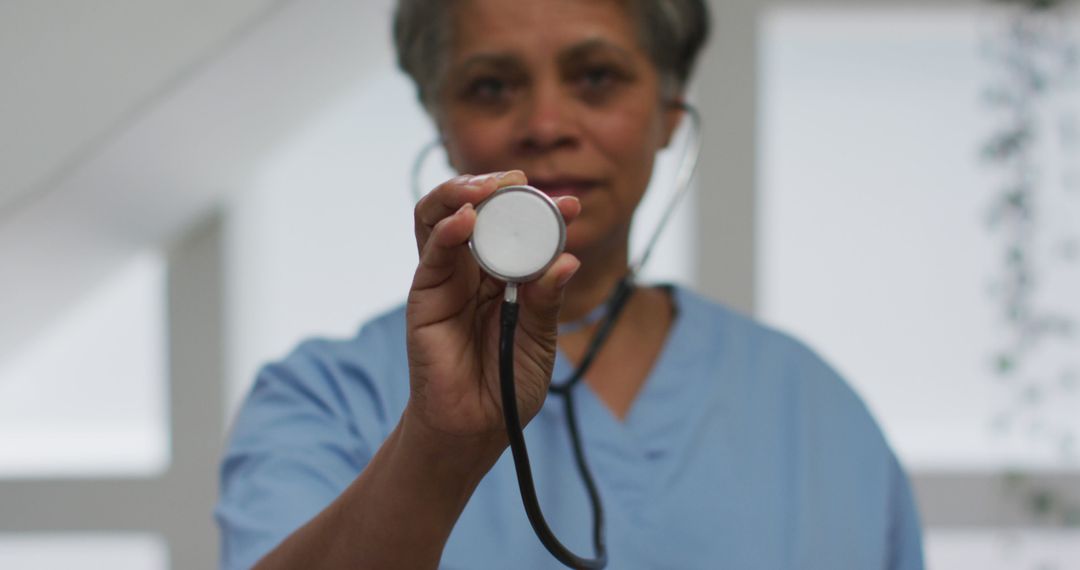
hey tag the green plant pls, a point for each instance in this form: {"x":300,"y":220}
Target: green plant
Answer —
{"x":1036,"y":60}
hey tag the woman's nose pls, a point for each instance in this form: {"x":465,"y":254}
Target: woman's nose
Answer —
{"x":549,"y":121}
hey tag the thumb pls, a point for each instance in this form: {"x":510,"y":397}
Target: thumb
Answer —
{"x":542,"y":299}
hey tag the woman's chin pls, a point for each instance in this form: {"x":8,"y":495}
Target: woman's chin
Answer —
{"x":586,"y":241}
{"x":579,"y":237}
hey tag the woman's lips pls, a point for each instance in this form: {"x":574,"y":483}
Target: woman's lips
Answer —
{"x":556,"y":188}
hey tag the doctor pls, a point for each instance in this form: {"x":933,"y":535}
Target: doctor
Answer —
{"x":715,"y":441}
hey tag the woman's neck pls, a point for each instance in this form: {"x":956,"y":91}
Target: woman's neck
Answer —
{"x":593,"y":283}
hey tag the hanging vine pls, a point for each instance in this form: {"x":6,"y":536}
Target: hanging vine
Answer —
{"x":1035,"y":218}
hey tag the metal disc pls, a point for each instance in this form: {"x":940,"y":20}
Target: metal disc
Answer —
{"x":519,"y":232}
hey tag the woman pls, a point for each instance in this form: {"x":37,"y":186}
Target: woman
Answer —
{"x":715,"y":442}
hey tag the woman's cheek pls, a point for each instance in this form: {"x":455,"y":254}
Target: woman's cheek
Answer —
{"x":470,"y":155}
{"x":469,"y":144}
{"x":633,"y":147}
{"x":630,"y":134}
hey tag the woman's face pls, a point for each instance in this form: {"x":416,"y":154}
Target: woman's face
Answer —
{"x":562,"y":90}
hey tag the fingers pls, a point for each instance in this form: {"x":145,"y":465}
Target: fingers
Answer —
{"x":445,"y":220}
{"x":569,"y":207}
{"x":542,"y":298}
{"x":440,"y":287}
{"x":443,"y":246}
{"x":450,"y":196}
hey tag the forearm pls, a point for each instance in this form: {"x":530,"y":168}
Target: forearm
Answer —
{"x":399,"y":512}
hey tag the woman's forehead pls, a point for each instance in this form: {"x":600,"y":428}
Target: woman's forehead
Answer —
{"x":540,"y":27}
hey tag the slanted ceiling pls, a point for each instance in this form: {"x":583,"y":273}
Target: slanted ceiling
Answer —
{"x":125,"y":122}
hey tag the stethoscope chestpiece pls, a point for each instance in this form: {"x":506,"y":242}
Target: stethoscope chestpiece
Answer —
{"x":519,"y":233}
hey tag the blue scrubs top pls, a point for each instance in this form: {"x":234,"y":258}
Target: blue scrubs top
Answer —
{"x":743,"y":450}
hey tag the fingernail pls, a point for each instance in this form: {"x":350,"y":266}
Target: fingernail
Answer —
{"x":464,"y":208}
{"x":504,"y":175}
{"x":476,"y":181}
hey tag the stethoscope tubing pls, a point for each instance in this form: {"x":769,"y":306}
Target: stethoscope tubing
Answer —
{"x":617,"y":300}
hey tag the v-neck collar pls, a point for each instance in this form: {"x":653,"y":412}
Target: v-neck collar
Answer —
{"x":630,"y":457}
{"x":666,"y":395}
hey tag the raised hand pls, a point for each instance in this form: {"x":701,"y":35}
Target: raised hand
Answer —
{"x":453,"y":319}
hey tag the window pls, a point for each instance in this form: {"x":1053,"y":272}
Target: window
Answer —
{"x":88,"y":397}
{"x":1002,"y":550}
{"x":116,"y":551}
{"x":873,"y":239}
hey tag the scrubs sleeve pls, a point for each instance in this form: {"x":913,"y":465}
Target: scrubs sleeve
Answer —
{"x":906,"y":552}
{"x":292,"y":451}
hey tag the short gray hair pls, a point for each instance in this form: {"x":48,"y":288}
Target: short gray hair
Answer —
{"x":672,"y":31}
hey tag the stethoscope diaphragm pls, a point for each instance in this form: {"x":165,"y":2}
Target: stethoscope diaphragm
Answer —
{"x":519,"y":233}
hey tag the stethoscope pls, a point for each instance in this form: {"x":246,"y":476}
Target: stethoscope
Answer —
{"x":519,"y":233}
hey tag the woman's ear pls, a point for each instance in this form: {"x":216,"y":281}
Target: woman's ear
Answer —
{"x":448,"y":151}
{"x":441,"y":134}
{"x":674,"y":110}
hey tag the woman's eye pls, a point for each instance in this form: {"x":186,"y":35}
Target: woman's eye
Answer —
{"x":487,"y":89}
{"x":598,"y":83}
{"x":598,"y":77}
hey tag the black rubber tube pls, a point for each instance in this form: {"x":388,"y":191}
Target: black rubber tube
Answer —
{"x":615,"y":303}
{"x":508,"y":324}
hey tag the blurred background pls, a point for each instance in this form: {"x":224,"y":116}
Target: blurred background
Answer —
{"x":187,"y":189}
